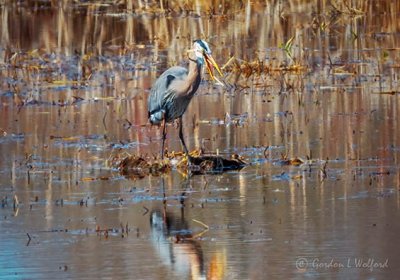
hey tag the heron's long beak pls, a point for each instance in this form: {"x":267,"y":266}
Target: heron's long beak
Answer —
{"x":210,"y":63}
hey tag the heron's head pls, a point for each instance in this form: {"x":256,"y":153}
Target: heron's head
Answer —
{"x":203,"y":54}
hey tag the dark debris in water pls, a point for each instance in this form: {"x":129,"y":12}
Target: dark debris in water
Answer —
{"x":137,"y":167}
{"x":215,"y":164}
{"x":292,"y":161}
{"x":284,"y":160}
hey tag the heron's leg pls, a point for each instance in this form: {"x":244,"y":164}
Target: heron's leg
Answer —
{"x":164,"y":201}
{"x":181,"y":137}
{"x":164,"y":136}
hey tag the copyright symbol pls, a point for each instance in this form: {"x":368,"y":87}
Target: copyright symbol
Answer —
{"x":301,"y":263}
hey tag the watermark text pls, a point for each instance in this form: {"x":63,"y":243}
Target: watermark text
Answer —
{"x":370,"y":264}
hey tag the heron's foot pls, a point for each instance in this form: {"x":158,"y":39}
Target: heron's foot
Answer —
{"x":191,"y":167}
{"x":190,"y":163}
{"x":191,"y":159}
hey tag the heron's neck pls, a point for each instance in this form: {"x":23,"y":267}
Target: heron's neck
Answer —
{"x":194,"y":70}
{"x":194,"y":76}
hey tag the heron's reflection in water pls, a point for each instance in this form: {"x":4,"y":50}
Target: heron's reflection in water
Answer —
{"x":175,"y":242}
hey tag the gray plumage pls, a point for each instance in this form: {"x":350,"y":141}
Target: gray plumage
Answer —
{"x":171,"y":93}
{"x":166,"y":99}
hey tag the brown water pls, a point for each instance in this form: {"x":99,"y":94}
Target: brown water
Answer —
{"x":74,"y":85}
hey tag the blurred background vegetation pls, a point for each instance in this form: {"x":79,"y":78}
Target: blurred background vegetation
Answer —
{"x":116,"y":49}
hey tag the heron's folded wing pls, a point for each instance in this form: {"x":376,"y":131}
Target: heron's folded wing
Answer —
{"x":162,"y":91}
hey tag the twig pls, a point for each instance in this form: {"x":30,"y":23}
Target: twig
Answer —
{"x":201,"y":223}
{"x":29,"y":239}
{"x":146,"y":210}
{"x":16,"y":202}
{"x":227,"y":63}
{"x":104,"y":120}
{"x":198,"y":235}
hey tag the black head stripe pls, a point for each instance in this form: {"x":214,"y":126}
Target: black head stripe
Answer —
{"x":201,"y":43}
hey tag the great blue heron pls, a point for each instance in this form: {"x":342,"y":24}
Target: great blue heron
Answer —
{"x":173,"y":90}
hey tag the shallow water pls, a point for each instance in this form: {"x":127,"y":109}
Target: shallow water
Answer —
{"x":74,"y":84}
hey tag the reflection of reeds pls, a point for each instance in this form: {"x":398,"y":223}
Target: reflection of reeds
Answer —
{"x":115,"y":49}
{"x":120,"y":26}
{"x":127,"y":27}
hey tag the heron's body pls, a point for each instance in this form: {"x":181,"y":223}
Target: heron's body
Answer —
{"x":171,"y":93}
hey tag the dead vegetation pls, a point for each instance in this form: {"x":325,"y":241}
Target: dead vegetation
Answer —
{"x":137,"y":167}
{"x":111,"y":60}
{"x":258,"y":67}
